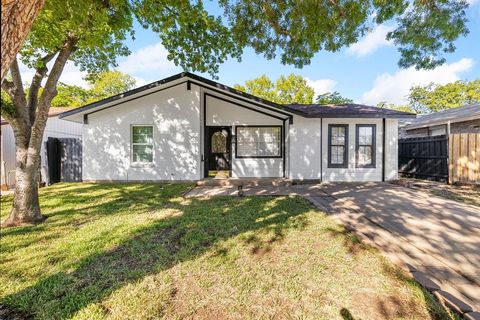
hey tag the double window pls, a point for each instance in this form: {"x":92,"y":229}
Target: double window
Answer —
{"x":258,"y":142}
{"x":338,"y":145}
{"x":365,"y":145}
{"x":142,"y":144}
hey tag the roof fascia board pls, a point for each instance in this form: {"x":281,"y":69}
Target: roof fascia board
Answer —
{"x":353,"y":115}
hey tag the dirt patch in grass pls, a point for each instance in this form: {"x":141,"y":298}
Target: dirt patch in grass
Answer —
{"x":110,"y":256}
{"x":469,"y":194}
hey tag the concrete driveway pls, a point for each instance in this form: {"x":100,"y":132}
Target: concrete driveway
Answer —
{"x":437,"y":236}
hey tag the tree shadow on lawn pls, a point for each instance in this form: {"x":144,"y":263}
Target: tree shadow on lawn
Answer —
{"x":195,"y":226}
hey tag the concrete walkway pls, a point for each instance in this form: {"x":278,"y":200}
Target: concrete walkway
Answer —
{"x":438,"y":236}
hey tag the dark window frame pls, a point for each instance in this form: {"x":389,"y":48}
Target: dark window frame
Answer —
{"x":330,"y":145}
{"x":280,"y":156}
{"x":373,"y":145}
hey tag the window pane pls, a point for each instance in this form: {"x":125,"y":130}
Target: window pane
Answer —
{"x":338,"y":135}
{"x":258,"y":141}
{"x":365,"y":135}
{"x":337,"y":155}
{"x":142,"y":134}
{"x":142,"y":153}
{"x":364,"y":155}
{"x":219,"y":142}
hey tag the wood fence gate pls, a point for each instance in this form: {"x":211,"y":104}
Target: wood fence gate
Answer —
{"x":64,"y":157}
{"x":424,"y":158}
{"x":464,"y":158}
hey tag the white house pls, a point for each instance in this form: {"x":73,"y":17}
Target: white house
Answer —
{"x":187,"y":128}
{"x":55,"y":128}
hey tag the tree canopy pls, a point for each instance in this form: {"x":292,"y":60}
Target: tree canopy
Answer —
{"x":332,"y":98}
{"x":104,"y":85}
{"x":287,"y":89}
{"x":434,"y":97}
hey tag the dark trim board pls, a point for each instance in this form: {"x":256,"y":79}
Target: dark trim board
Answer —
{"x":329,"y":151}
{"x":282,"y":155}
{"x":206,"y":94}
{"x":384,"y":143}
{"x":374,"y":145}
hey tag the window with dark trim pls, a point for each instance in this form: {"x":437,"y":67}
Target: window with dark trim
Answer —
{"x":258,"y":142}
{"x":142,"y":144}
{"x":365,"y":148}
{"x":338,"y":145}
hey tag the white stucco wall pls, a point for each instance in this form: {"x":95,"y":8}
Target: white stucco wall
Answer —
{"x":304,"y":148}
{"x":223,"y":113}
{"x":174,"y":114}
{"x":391,"y":145}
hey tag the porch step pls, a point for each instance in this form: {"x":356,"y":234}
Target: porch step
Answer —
{"x":246,"y":182}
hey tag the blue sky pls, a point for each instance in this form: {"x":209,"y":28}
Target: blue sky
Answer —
{"x":366,"y":72}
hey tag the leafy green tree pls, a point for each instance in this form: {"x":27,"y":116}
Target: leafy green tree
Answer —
{"x":70,"y":96}
{"x":332,"y":98}
{"x":434,"y":97}
{"x":92,"y":34}
{"x":110,"y":83}
{"x":290,"y":89}
{"x":103,"y":85}
{"x":402,"y":108}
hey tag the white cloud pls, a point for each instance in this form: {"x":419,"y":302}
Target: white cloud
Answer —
{"x":151,"y":58}
{"x":322,"y":85}
{"x":371,"y":42}
{"x":71,"y":74}
{"x":393,"y":88}
{"x":472,"y":2}
{"x":150,"y":62}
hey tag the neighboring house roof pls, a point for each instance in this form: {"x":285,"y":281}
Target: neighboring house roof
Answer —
{"x":287,"y":110}
{"x":347,"y":111}
{"x":464,"y":113}
{"x":52,"y":112}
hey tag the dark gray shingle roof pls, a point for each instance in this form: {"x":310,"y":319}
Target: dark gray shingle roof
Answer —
{"x":463,"y":113}
{"x":347,"y":111}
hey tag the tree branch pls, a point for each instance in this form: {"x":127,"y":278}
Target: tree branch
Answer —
{"x":40,"y":73}
{"x":17,"y":78}
{"x":8,"y":86}
{"x":49,"y":91}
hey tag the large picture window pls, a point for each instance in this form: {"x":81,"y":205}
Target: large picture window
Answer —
{"x":365,"y":145}
{"x":337,"y":146}
{"x":258,"y":142}
{"x":142,"y":144}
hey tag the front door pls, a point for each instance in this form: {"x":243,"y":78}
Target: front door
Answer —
{"x":218,"y":151}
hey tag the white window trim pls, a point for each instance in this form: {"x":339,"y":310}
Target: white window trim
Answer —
{"x":142,"y":164}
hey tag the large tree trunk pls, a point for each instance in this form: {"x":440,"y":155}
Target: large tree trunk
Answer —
{"x":26,"y":207}
{"x":28,"y":122}
{"x":17,"y":20}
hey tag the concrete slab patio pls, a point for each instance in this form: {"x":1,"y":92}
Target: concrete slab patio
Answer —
{"x":437,"y":236}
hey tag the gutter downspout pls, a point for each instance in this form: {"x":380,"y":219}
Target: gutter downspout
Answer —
{"x":384,"y":139}
{"x":321,"y":149}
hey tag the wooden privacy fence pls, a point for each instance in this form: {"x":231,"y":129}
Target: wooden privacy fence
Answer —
{"x":464,"y":158}
{"x":424,"y":158}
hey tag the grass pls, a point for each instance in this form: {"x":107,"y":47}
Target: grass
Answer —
{"x":142,"y":251}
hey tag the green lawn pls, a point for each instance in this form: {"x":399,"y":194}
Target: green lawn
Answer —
{"x":142,"y":251}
